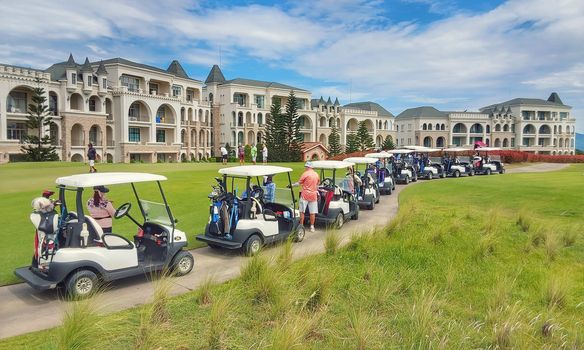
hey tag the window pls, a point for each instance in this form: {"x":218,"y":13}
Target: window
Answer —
{"x":259,"y":101}
{"x":73,"y":78}
{"x":93,"y":135}
{"x":17,"y":102}
{"x":89,"y":80}
{"x":160,"y":136}
{"x":16,"y":131}
{"x":563,"y":115}
{"x":134,"y":134}
{"x":161,"y":115}
{"x":279,"y":100}
{"x":541,"y":142}
{"x":134,"y":111}
{"x":300,"y":103}
{"x":541,"y":115}
{"x":104,"y":83}
{"x":512,"y":142}
{"x":176,"y":91}
{"x":239,"y":99}
{"x":409,"y":129}
{"x":132,"y":83}
{"x":189,"y":96}
{"x":92,"y":105}
{"x":153,"y":88}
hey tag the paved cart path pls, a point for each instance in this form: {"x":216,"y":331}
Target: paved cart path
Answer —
{"x":23,"y":310}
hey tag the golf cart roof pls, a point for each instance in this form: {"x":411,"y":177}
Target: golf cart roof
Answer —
{"x":331,"y":164}
{"x":379,"y":155}
{"x":361,"y":160}
{"x":487,"y":149}
{"x":254,"y":170}
{"x":104,"y":179}
{"x":457,"y":149}
{"x":422,"y":149}
{"x":402,"y":151}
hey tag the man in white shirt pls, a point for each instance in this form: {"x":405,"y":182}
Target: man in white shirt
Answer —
{"x":224,"y":154}
{"x":265,"y":154}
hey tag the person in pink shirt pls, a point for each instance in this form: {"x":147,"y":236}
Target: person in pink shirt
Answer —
{"x":309,"y":194}
{"x":101,"y":209}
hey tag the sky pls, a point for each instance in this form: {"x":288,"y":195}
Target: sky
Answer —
{"x":449,"y":54}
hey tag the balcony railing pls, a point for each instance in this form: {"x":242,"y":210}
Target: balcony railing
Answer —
{"x":139,"y":118}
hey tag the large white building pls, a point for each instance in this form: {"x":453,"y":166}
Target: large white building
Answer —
{"x":532,"y":125}
{"x":136,"y":112}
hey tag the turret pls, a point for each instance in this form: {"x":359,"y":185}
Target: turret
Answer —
{"x":87,"y":73}
{"x":71,"y":73}
{"x":102,"y":78}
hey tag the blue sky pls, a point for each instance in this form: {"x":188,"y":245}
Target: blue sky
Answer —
{"x":450,"y":54}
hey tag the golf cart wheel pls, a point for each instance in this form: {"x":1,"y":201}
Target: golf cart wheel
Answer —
{"x":356,"y":214}
{"x":429,"y":176}
{"x":81,"y":284}
{"x":472,"y":172}
{"x":372,"y":205}
{"x":389,"y":190}
{"x":488,"y":172}
{"x":253,"y":245}
{"x":415,"y":178}
{"x":299,"y":234}
{"x":443,"y":175}
{"x":182,"y":263}
{"x":339,"y":221}
{"x":502,"y":171}
{"x":456,"y":173}
{"x":407,"y":180}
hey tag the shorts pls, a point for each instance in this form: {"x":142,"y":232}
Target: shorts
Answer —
{"x":224,"y":157}
{"x":312,"y":206}
{"x":253,"y":158}
{"x":91,"y":162}
{"x":241,"y":156}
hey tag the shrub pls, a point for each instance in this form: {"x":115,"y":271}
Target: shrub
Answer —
{"x":524,"y":220}
{"x":552,"y":247}
{"x":79,"y":324}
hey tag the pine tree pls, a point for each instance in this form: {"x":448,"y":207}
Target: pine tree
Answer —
{"x":335,"y":141}
{"x":274,"y":133}
{"x":388,"y":143}
{"x":353,"y":144}
{"x":364,"y":137}
{"x":39,"y":148}
{"x":293,"y":138}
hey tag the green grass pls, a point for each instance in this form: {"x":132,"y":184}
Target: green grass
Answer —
{"x":186,"y":189}
{"x":454,"y":270}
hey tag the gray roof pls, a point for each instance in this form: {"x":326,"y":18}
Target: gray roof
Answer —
{"x":215,"y":75}
{"x":329,"y":102}
{"x":177,"y":70}
{"x":101,"y":69}
{"x":57,"y":70}
{"x":259,"y":83}
{"x":71,"y":62}
{"x":370,"y":106}
{"x":337,"y":102}
{"x":86,"y":67}
{"x":321,"y":101}
{"x":422,"y":112}
{"x":553,"y":101}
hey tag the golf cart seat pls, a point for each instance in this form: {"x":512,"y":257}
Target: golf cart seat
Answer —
{"x":109,"y":240}
{"x":324,"y":199}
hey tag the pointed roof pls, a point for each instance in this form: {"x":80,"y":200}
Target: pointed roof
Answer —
{"x":71,"y":62}
{"x":321,"y":101}
{"x":329,"y":102}
{"x":176,"y":69}
{"x":215,"y":75}
{"x":101,"y":69}
{"x":86,"y":67}
{"x":337,"y":102}
{"x":555,"y":98}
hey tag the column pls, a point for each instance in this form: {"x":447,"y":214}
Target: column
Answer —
{"x":3,"y":115}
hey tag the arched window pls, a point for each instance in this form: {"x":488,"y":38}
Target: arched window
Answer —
{"x":424,"y":127}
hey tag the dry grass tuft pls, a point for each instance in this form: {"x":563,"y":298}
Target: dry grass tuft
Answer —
{"x":332,"y":242}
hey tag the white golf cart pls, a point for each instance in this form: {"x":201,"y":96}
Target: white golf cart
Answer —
{"x":428,"y":167}
{"x":71,"y":249}
{"x":404,"y":168}
{"x":486,"y":165}
{"x":262,"y":214}
{"x":368,"y":193}
{"x":337,"y":202}
{"x":385,"y":179}
{"x":453,"y":166}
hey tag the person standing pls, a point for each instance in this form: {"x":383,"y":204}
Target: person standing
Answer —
{"x":91,"y":155}
{"x":241,"y":154}
{"x":254,"y":153}
{"x":265,"y":154}
{"x":309,"y":194}
{"x":224,"y":155}
{"x":101,"y":209}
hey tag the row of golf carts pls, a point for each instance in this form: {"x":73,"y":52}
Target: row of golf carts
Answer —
{"x":251,"y":206}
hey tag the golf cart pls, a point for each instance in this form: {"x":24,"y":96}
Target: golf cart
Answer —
{"x":71,"y":249}
{"x":385,"y":179}
{"x":453,"y":166}
{"x":404,"y":168}
{"x":486,"y":165}
{"x":368,"y":193}
{"x":337,"y":202}
{"x":428,"y":167}
{"x":263,"y":214}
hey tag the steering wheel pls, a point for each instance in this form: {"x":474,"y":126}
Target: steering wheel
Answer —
{"x":257,"y":192}
{"x":327,"y":182}
{"x":123,"y":210}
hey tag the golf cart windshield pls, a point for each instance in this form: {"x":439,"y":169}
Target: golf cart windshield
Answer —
{"x":155,"y":212}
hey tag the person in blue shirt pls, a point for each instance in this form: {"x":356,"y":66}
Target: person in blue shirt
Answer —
{"x":270,"y":191}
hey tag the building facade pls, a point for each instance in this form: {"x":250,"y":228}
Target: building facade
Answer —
{"x":531,"y":125}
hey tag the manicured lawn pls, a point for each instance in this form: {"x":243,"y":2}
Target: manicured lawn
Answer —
{"x":483,"y":262}
{"x":186,"y":189}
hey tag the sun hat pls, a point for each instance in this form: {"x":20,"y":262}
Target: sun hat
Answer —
{"x":101,"y":189}
{"x":308,"y":164}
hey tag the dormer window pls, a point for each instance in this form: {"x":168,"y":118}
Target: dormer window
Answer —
{"x":104,"y":83}
{"x":176,"y":91}
{"x":73,"y":78}
{"x":89,"y":80}
{"x":132,"y":83}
